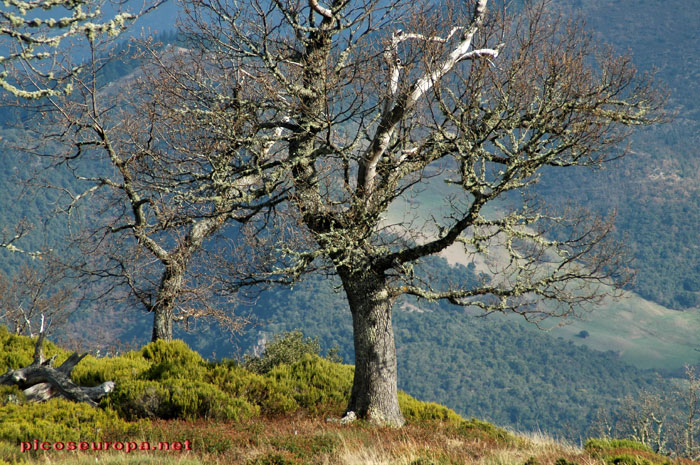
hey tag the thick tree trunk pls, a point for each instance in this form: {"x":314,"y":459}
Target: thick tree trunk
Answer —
{"x":162,"y":323}
{"x":163,"y":310}
{"x":374,"y":393}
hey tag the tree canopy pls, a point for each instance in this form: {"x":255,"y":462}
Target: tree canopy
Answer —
{"x":359,"y":103}
{"x":33,"y":31}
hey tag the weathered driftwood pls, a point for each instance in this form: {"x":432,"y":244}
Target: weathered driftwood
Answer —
{"x":40,"y":381}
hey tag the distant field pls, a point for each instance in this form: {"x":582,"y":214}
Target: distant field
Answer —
{"x":645,"y":334}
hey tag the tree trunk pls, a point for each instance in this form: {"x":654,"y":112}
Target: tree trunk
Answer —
{"x":162,"y":323}
{"x":374,"y":395}
{"x":163,"y":310}
{"x":172,"y":281}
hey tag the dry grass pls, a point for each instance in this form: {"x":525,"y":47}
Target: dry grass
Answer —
{"x":304,"y":440}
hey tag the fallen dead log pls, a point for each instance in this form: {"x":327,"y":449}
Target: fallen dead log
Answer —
{"x":40,"y":381}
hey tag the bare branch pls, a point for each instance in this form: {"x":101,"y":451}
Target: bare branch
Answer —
{"x":325,"y":12}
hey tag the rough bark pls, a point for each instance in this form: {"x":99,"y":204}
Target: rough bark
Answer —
{"x":40,"y":381}
{"x":163,"y":310}
{"x":374,"y":393}
{"x":172,"y":283}
{"x":162,"y":323}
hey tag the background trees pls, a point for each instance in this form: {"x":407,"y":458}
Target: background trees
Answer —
{"x":33,"y":38}
{"x":34,"y":294}
{"x":362,"y":102}
{"x":158,"y":188}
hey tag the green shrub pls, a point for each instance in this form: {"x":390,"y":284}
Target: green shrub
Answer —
{"x":268,"y":394}
{"x":93,"y":371}
{"x":18,"y":351}
{"x":59,"y":420}
{"x":624,"y":452}
{"x":168,"y":380}
{"x":139,"y":399}
{"x":316,"y":384}
{"x":484,"y":430}
{"x":284,"y":349}
{"x":605,"y":444}
{"x":11,"y":395}
{"x":415,"y":410}
{"x":164,"y":351}
{"x":172,"y":360}
{"x":177,"y":398}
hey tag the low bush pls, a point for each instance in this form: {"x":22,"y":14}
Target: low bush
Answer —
{"x":60,"y":420}
{"x":606,"y":444}
{"x":177,"y":398}
{"x":287,"y":349}
{"x":484,"y":430}
{"x":18,"y":351}
{"x":168,"y":380}
{"x":172,"y":360}
{"x":416,"y":410}
{"x":315,"y":384}
{"x":93,"y":371}
{"x":11,"y":395}
{"x":624,"y":452}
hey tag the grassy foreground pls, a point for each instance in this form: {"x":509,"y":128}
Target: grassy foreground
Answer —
{"x":304,"y":439}
{"x":172,"y":407}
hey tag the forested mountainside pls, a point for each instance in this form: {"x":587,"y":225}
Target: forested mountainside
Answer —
{"x":491,"y":367}
{"x":655,"y":192}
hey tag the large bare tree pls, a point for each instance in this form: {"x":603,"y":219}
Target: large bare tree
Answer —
{"x":363,"y":101}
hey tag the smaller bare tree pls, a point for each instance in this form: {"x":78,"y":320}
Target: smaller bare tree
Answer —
{"x":158,"y":191}
{"x":666,"y":422}
{"x":688,"y":393}
{"x":36,"y":292}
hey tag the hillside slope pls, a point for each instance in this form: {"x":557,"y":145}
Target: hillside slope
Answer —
{"x":171,"y":407}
